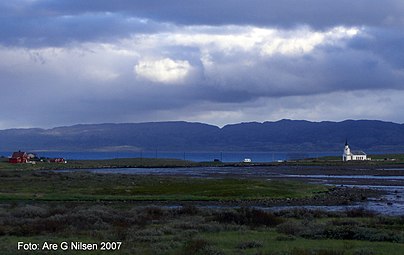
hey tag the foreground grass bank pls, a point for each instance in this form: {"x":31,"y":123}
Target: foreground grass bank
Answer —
{"x":192,"y":230}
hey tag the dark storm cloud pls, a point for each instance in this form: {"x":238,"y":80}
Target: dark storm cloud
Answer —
{"x":387,"y":43}
{"x":327,"y":71}
{"x":316,"y":13}
{"x":49,"y":22}
{"x":62,"y":30}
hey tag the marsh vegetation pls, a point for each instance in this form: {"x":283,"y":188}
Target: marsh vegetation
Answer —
{"x":192,"y":230}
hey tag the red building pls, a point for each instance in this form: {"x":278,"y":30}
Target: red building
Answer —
{"x":19,"y":157}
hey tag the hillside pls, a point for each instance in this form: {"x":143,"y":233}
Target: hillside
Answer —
{"x":283,"y":135}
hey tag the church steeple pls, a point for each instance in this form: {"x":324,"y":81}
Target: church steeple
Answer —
{"x":347,"y":152}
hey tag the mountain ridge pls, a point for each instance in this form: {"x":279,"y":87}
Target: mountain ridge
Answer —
{"x":281,"y":135}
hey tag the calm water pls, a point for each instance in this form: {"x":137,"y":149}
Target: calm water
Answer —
{"x":320,"y":176}
{"x":193,"y":156}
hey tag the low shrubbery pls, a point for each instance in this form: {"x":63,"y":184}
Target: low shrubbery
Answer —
{"x":246,"y":216}
{"x":186,"y":230}
{"x":249,"y":245}
{"x":298,"y":251}
{"x":339,"y":229}
{"x":200,"y":247}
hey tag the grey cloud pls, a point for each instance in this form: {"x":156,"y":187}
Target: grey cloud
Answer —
{"x":316,"y":13}
{"x":325,"y":70}
{"x":39,"y":31}
{"x":387,"y":43}
{"x":48,"y":22}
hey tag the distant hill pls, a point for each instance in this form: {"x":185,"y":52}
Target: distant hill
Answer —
{"x":283,"y":135}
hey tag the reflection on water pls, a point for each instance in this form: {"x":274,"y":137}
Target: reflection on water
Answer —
{"x":399,"y":177}
{"x":393,"y":168}
{"x":391,"y":204}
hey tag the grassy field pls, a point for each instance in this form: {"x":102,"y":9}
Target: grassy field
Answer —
{"x":107,"y":163}
{"x":28,"y":185}
{"x":376,"y":160}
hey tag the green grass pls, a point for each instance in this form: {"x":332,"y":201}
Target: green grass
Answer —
{"x":107,"y":163}
{"x":228,"y":241}
{"x":50,"y":186}
{"x":395,"y":157}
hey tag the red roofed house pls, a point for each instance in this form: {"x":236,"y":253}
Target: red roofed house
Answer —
{"x":19,"y":157}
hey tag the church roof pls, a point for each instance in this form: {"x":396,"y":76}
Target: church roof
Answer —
{"x":358,"y":153}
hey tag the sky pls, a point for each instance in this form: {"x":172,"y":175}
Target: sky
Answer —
{"x":65,"y":62}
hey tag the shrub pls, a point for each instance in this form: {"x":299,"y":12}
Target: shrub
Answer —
{"x":298,"y":251}
{"x":212,"y":227}
{"x":363,"y":252}
{"x":285,"y":238}
{"x":304,"y":213}
{"x":340,"y":232}
{"x":188,"y":210}
{"x":249,"y":245}
{"x":307,"y":229}
{"x":378,"y":235}
{"x":290,"y":228}
{"x":30,"y":211}
{"x":344,"y":223}
{"x":360,"y":212}
{"x":194,"y":246}
{"x":246,"y":216}
{"x":148,"y":215}
{"x":162,"y":247}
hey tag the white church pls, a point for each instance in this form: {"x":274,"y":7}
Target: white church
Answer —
{"x":353,"y":155}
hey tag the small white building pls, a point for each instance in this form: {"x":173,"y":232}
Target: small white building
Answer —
{"x":353,"y":155}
